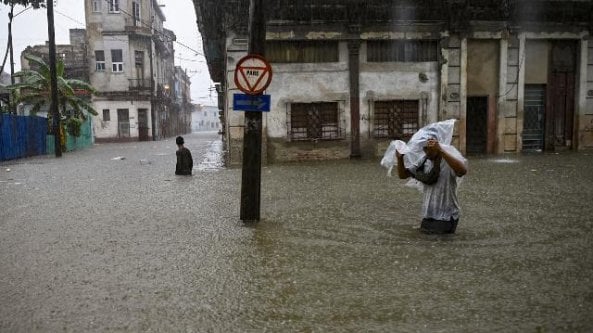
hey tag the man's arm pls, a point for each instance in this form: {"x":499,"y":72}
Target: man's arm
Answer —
{"x":402,"y":172}
{"x":455,"y":164}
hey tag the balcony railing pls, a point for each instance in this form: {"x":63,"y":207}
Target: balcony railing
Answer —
{"x":139,"y":84}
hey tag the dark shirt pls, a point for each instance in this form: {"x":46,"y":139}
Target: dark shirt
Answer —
{"x":185,"y":163}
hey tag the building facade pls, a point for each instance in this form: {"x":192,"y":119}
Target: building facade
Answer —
{"x":182,"y":108}
{"x":206,"y":119}
{"x":349,"y":76}
{"x":132,"y":67}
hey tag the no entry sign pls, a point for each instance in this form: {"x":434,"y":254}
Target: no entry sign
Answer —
{"x":253,"y":74}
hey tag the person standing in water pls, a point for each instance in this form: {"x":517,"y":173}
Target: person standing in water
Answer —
{"x":185,"y":162}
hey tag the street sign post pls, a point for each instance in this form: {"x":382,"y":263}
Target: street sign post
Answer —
{"x":253,"y":74}
{"x":260,"y":103}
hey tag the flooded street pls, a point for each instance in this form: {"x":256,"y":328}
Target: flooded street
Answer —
{"x":108,"y":239}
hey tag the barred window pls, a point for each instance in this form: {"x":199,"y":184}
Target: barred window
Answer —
{"x":402,"y":50}
{"x":106,"y":115}
{"x":302,"y":51}
{"x":396,"y":119}
{"x":314,"y":121}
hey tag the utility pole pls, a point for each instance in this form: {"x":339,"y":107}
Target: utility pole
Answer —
{"x":53,"y":77}
{"x":252,"y":138}
{"x":10,"y":17}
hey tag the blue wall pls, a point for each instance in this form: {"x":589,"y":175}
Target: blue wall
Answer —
{"x":22,"y":136}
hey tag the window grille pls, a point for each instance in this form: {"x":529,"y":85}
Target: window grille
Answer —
{"x":396,"y":119}
{"x":117,"y":61}
{"x":314,"y":121}
{"x":100,"y":60}
{"x":302,"y":51}
{"x":106,"y":115}
{"x":402,"y":50}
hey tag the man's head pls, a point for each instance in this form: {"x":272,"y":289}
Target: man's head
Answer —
{"x":179,"y":140}
{"x":431,"y":144}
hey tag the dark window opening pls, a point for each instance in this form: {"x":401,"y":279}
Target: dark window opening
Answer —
{"x":402,"y":51}
{"x":302,"y":51}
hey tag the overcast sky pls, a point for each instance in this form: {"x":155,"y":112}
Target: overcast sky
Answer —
{"x":30,"y":28}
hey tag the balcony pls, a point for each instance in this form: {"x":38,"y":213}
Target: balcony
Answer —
{"x":139,"y":84}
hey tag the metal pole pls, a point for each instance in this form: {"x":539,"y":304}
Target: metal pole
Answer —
{"x":53,"y":77}
{"x":252,"y":138}
{"x":10,"y":17}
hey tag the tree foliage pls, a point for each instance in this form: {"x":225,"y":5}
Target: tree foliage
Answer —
{"x":34,"y":3}
{"x":74,"y":103}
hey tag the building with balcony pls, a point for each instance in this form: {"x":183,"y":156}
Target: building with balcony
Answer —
{"x":349,"y":76}
{"x":132,"y":67}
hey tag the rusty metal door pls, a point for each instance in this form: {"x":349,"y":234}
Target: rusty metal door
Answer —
{"x":534,"y":117}
{"x":561,"y":94}
{"x":477,"y":125}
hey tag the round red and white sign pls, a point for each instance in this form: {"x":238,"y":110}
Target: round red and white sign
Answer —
{"x":253,"y":74}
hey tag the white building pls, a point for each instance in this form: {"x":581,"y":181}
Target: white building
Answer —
{"x":131,"y":66}
{"x":205,"y":118}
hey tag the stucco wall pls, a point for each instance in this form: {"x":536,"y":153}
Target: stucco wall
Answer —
{"x":537,"y":59}
{"x":109,"y":129}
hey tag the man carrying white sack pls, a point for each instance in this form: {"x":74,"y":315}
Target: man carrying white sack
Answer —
{"x":435,"y":166}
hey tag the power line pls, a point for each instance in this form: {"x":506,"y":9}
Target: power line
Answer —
{"x":142,"y":22}
{"x":149,"y":26}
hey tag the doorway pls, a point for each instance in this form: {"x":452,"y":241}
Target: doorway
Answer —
{"x":560,"y":96}
{"x":534,"y":117}
{"x":477,"y":125}
{"x":123,"y":123}
{"x":143,"y":124}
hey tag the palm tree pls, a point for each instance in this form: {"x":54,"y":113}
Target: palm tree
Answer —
{"x":73,"y":102}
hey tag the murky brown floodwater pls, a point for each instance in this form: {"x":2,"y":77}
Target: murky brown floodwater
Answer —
{"x":133,"y":248}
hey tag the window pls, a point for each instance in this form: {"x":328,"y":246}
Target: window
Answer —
{"x":314,"y":121}
{"x":136,"y":13}
{"x":97,"y":5}
{"x":402,"y":50}
{"x":99,"y":60}
{"x":139,"y":58}
{"x":302,"y":51}
{"x":106,"y":115}
{"x":113,"y":6}
{"x":395,"y":119}
{"x":117,"y":61}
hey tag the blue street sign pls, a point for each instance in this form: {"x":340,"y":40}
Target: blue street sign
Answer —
{"x":242,"y":102}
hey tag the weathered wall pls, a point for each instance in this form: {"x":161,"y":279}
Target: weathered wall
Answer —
{"x":108,"y":130}
{"x":537,"y":60}
{"x":482,"y":67}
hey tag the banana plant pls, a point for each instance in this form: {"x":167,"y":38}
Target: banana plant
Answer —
{"x":34,"y":89}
